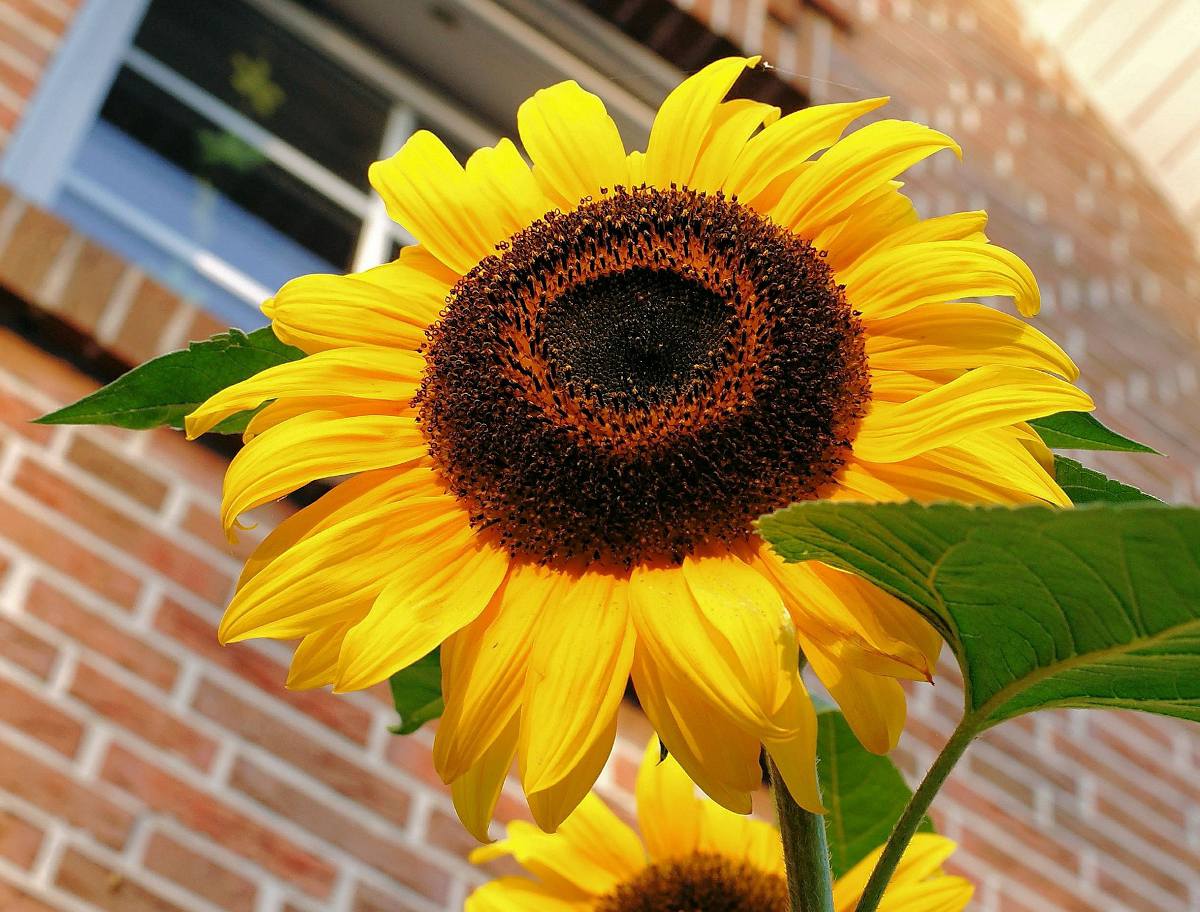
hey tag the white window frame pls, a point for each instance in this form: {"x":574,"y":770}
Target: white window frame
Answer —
{"x":38,"y":161}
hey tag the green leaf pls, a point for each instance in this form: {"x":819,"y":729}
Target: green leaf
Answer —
{"x":863,"y":792}
{"x":417,"y":693}
{"x":1082,"y":431}
{"x":1084,"y":485}
{"x":1093,"y":607}
{"x":161,"y":392}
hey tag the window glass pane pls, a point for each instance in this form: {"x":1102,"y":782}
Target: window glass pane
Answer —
{"x":257,"y":67}
{"x":222,"y":162}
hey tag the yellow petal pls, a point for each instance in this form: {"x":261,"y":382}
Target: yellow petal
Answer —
{"x":961,"y":336}
{"x":353,"y":496}
{"x":828,"y":607}
{"x":795,"y":754}
{"x":331,"y":574}
{"x":668,"y":810}
{"x":575,"y":146}
{"x":943,"y":894}
{"x":874,"y":706}
{"x":797,"y":137}
{"x":517,"y":894}
{"x":319,"y":312}
{"x":878,"y":216}
{"x":476,"y":792}
{"x":483,"y":671}
{"x":505,"y":178}
{"x":428,"y":192}
{"x":311,"y":446}
{"x":424,"y":602}
{"x":578,"y":672}
{"x":989,"y":397}
{"x":314,"y":663}
{"x":281,"y":410}
{"x":718,"y":625}
{"x":921,"y":860}
{"x":957,"y":226}
{"x":593,"y":852}
{"x":551,"y":805}
{"x":853,"y":168}
{"x":366,"y":373}
{"x":684,"y":119}
{"x":989,"y":467}
{"x":898,"y":279}
{"x":734,"y":123}
{"x":717,"y":755}
{"x":757,"y":842}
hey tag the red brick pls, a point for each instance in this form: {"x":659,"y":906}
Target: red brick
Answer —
{"x":130,"y":711}
{"x":985,"y":847}
{"x":140,"y":336}
{"x":306,"y":754}
{"x":369,"y":899}
{"x":14,"y":900}
{"x":77,"y":803}
{"x":1003,"y":780}
{"x":90,"y":287}
{"x":205,"y":525}
{"x":33,"y":246}
{"x":31,"y":652}
{"x":1103,"y":838}
{"x":200,"y":636}
{"x":117,"y":473}
{"x":89,"y":629}
{"x":389,"y":855}
{"x":19,"y":839}
{"x":40,"y":15}
{"x":17,"y":414}
{"x":959,"y":794}
{"x":74,"y":560}
{"x":122,"y":529}
{"x":199,"y":874}
{"x":35,"y":717}
{"x":41,"y":371}
{"x":108,"y":889}
{"x":207,"y":814}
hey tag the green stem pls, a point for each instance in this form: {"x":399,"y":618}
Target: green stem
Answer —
{"x":805,"y":850}
{"x":913,"y":814}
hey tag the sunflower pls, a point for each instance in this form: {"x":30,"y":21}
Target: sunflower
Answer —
{"x":563,"y":410}
{"x":693,"y":854}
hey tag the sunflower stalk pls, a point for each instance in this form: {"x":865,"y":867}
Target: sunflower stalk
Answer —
{"x":805,"y":850}
{"x":906,"y":827}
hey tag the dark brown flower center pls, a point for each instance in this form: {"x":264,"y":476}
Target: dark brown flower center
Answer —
{"x":641,"y":376}
{"x":703,"y":882}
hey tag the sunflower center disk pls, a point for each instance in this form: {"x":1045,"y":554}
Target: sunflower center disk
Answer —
{"x":642,"y":376}
{"x":703,"y":882}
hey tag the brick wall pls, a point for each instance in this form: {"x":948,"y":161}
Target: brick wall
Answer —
{"x":145,"y":768}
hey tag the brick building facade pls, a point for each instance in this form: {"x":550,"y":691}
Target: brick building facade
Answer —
{"x":145,"y":768}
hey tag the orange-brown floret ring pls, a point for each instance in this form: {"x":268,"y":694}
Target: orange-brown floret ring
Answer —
{"x":643,"y":375}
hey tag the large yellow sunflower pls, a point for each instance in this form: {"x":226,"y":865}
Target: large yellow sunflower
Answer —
{"x":563,"y":410}
{"x":693,"y":854}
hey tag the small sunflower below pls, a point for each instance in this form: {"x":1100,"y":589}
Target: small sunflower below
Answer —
{"x":702,"y":882}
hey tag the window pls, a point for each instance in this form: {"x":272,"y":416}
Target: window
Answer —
{"x":228,"y":155}
{"x":223,"y":145}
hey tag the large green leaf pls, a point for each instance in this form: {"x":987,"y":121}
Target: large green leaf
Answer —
{"x":417,"y":693}
{"x":863,"y":792}
{"x":1093,"y":607}
{"x":161,"y":392}
{"x":1084,"y":485}
{"x":1083,"y":431}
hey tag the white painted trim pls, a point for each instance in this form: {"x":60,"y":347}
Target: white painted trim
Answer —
{"x":206,"y":264}
{"x":68,"y":98}
{"x":378,"y":230}
{"x":283,"y":154}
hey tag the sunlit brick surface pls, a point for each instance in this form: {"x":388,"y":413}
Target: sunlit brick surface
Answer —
{"x":144,"y":768}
